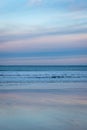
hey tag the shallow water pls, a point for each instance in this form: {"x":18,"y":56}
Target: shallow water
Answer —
{"x":62,"y":106}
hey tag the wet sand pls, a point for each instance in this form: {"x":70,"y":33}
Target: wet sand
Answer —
{"x":46,"y":106}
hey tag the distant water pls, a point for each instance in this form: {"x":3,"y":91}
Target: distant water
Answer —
{"x":44,"y":68}
{"x":34,"y":74}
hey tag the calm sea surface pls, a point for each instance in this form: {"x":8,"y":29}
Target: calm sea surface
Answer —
{"x":43,"y":97}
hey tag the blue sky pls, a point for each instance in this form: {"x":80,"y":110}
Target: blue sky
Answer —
{"x":43,"y":32}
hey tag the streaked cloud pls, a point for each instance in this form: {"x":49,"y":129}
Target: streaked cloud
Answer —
{"x":78,"y":5}
{"x":45,"y":42}
{"x":70,"y":60}
{"x":43,"y":28}
{"x":34,"y":2}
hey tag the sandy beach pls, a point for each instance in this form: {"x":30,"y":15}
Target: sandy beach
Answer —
{"x":58,"y":106}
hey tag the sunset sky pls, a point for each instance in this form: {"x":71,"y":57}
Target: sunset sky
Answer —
{"x":43,"y":32}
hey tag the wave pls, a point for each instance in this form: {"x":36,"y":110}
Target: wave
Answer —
{"x":45,"y":76}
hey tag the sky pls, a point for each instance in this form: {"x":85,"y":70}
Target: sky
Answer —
{"x":43,"y":32}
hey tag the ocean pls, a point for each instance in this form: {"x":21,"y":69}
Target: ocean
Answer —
{"x":32,"y":74}
{"x":43,"y":97}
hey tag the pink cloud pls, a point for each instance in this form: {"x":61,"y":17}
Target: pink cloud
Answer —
{"x":46,"y":42}
{"x":46,"y":60}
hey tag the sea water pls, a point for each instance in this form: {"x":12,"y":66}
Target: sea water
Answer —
{"x":43,"y":97}
{"x":50,"y":74}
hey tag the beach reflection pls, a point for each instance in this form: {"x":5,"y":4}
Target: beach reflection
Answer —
{"x":43,"y":109}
